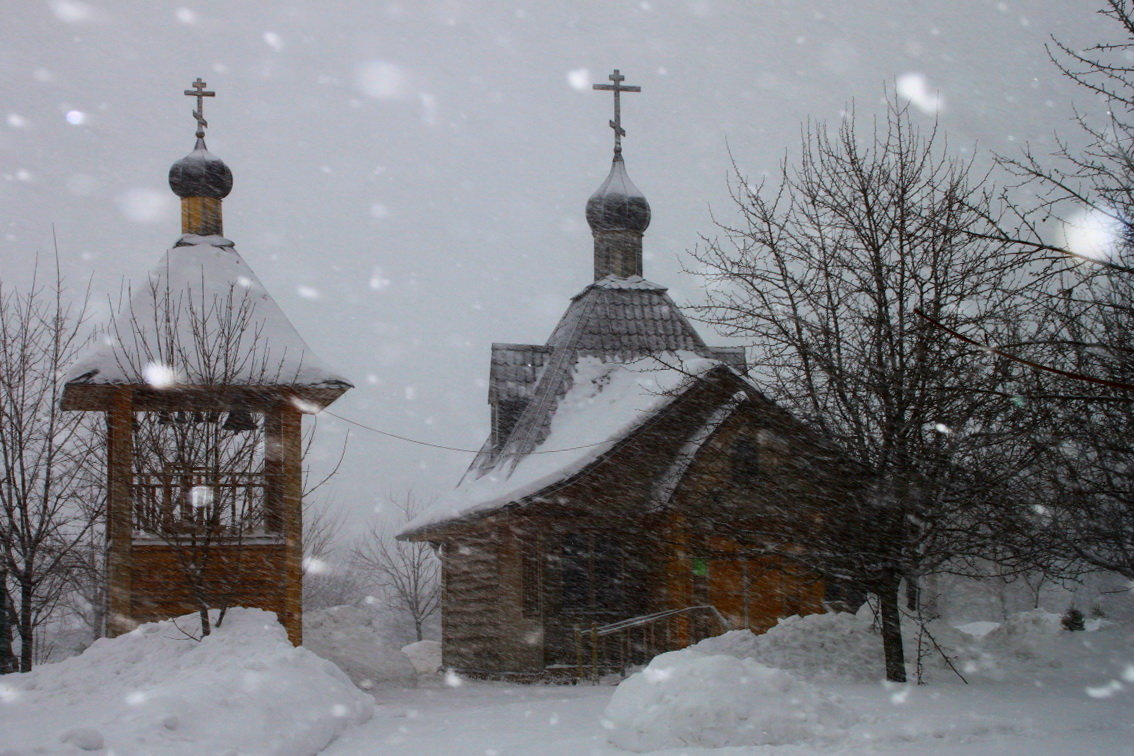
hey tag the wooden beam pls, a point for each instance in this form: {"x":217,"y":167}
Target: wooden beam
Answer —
{"x":78,"y":395}
{"x":119,"y":514}
{"x":291,"y":488}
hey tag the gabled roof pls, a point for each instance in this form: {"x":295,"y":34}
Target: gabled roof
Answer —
{"x":202,"y":319}
{"x":621,"y":353}
{"x":606,"y":403}
{"x":614,"y":319}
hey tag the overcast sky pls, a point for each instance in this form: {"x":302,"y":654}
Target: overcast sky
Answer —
{"x":410,"y":177}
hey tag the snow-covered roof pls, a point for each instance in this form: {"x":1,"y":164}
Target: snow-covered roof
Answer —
{"x":605,"y":403}
{"x":620,"y":353}
{"x":201,"y":318}
{"x":616,"y":319}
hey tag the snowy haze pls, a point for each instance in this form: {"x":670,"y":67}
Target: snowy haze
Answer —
{"x":410,"y":177}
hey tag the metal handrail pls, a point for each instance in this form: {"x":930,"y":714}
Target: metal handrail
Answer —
{"x":595,"y":633}
{"x":648,"y":618}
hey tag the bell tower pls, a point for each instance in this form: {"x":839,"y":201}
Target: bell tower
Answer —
{"x":204,"y":383}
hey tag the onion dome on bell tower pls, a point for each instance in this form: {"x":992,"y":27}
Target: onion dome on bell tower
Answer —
{"x":618,"y":212}
{"x":200,"y":179}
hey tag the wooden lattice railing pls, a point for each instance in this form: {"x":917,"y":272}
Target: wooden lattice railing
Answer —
{"x":174,"y":503}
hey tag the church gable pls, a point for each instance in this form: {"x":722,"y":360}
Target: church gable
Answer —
{"x":614,"y":320}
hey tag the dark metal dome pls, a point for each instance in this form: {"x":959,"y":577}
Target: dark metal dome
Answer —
{"x":618,"y":205}
{"x":200,"y":174}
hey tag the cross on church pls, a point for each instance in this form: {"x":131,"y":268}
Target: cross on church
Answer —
{"x":618,"y":89}
{"x":199,"y":92}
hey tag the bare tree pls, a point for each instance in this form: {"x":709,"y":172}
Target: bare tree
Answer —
{"x":1080,"y":227}
{"x":823,"y":277}
{"x":86,"y":594}
{"x":1085,"y":194}
{"x":327,"y":580}
{"x":408,"y":573}
{"x":45,"y":453}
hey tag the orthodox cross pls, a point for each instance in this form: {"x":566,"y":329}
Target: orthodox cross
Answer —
{"x":199,"y":92}
{"x":618,"y":89}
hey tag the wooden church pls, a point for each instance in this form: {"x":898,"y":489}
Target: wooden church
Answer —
{"x":204,"y":382}
{"x":625,"y":501}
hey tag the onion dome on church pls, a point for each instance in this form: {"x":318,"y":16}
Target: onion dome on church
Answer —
{"x":200,"y":174}
{"x":618,"y":205}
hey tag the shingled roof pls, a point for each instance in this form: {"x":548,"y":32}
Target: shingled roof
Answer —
{"x":617,"y":320}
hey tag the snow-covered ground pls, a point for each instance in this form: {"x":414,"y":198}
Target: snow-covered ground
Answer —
{"x":1033,"y":689}
{"x":802,"y":688}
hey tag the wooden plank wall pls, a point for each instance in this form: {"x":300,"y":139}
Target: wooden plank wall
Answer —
{"x":244,"y":575}
{"x":470,"y":624}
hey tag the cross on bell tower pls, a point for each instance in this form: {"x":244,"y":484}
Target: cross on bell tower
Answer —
{"x":200,"y":93}
{"x":618,"y":88}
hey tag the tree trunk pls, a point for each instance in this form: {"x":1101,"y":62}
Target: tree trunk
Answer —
{"x":417,"y":627}
{"x":27,"y":627}
{"x":889,"y":606}
{"x":7,"y":658}
{"x":203,"y":613}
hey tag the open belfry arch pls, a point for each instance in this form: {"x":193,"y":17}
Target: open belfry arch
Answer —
{"x":204,"y":382}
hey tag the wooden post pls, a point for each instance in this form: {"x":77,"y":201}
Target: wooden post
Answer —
{"x":291,"y":488}
{"x":594,"y":653}
{"x":119,"y":514}
{"x":578,"y":652}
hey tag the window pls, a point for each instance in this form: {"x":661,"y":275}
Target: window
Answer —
{"x":745,"y":459}
{"x":591,"y":573}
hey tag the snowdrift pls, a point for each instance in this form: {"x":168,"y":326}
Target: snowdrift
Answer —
{"x":845,"y":647}
{"x":243,"y":689}
{"x":351,"y":637}
{"x":425,"y":656}
{"x":1026,"y":636}
{"x":741,"y":689}
{"x":689,"y":698}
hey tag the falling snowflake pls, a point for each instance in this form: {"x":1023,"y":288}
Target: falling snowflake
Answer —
{"x":579,"y":79}
{"x":915,"y":87}
{"x":381,"y":80}
{"x":1092,"y":233}
{"x":159,"y":375}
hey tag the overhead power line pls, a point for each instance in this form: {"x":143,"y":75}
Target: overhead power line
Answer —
{"x":431,"y":445}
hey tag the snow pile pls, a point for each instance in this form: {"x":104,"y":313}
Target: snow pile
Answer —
{"x":1026,"y":636}
{"x":688,"y":698}
{"x":425,"y":656}
{"x":979,"y":628}
{"x":844,"y":647}
{"x":242,"y":689}
{"x":352,"y":638}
